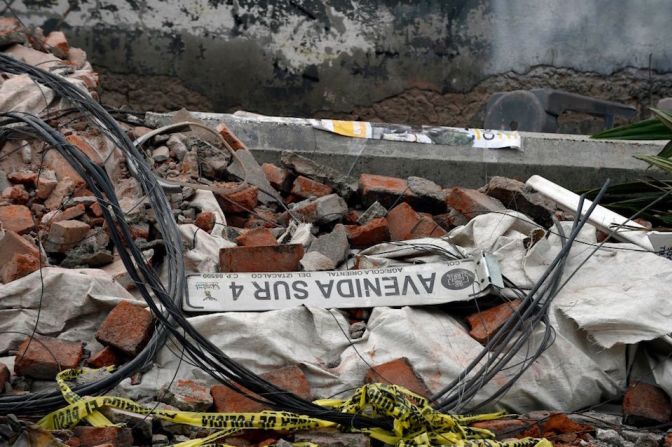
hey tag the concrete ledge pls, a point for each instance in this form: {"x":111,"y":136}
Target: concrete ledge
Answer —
{"x":575,"y":162}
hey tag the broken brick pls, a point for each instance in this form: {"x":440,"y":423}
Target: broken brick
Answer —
{"x":12,"y":243}
{"x":374,"y":232}
{"x":11,"y":31}
{"x":84,"y":146}
{"x":71,"y":212}
{"x":96,"y":209}
{"x":323,"y":210}
{"x":450,"y":220}
{"x":26,"y":178}
{"x":256,"y":238}
{"x":57,"y":44}
{"x":62,"y":169}
{"x":64,"y":235}
{"x":289,"y":378}
{"x":41,"y":357}
{"x":645,"y":404}
{"x":278,"y":177}
{"x":236,"y":202}
{"x":351,"y":217}
{"x":16,"y":218}
{"x":46,"y":182}
{"x":205,"y":221}
{"x":516,"y":195}
{"x":388,"y":191}
{"x":4,"y":377}
{"x":398,"y":372}
{"x":16,"y":194}
{"x":139,"y":230}
{"x":486,"y":323}
{"x":504,"y":428}
{"x":19,"y":266}
{"x":278,"y":258}
{"x":187,"y":395}
{"x":472,"y":203}
{"x":104,"y":357}
{"x":405,"y":223}
{"x":108,"y":436}
{"x":306,"y":188}
{"x":229,"y":137}
{"x":127,"y":328}
{"x":64,"y":188}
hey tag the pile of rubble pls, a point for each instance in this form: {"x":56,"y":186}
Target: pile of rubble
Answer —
{"x":292,"y":216}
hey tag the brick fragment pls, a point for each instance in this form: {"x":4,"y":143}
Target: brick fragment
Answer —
{"x":645,"y":404}
{"x":96,"y":209}
{"x":290,"y":378}
{"x":504,"y":428}
{"x":306,"y":188}
{"x":398,"y":372}
{"x":261,"y":218}
{"x":374,"y":211}
{"x":405,"y":223}
{"x":46,"y":182}
{"x":450,"y":220}
{"x":83,"y":145}
{"x":12,"y":243}
{"x":23,"y":177}
{"x":278,"y":258}
{"x":127,"y":328}
{"x":229,"y":137}
{"x":104,"y":357}
{"x":485,"y":324}
{"x":278,"y":177}
{"x":351,"y":217}
{"x":64,"y":235}
{"x":257,"y":237}
{"x":16,"y":218}
{"x":4,"y":377}
{"x":19,"y":266}
{"x":57,"y":44}
{"x":323,"y":210}
{"x":64,"y":188}
{"x":472,"y":203}
{"x":388,"y":191}
{"x":107,"y":436}
{"x":41,"y":357}
{"x":16,"y":194}
{"x":187,"y":395}
{"x":11,"y":32}
{"x":515,"y":195}
{"x":139,"y":230}
{"x":205,"y":221}
{"x":236,"y":202}
{"x":374,"y":232}
{"x":71,"y":212}
{"x":62,"y":169}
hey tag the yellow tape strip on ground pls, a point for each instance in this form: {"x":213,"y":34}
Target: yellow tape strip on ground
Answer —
{"x":415,"y":422}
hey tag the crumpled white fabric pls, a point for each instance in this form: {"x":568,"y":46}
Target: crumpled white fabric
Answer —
{"x":73,"y":304}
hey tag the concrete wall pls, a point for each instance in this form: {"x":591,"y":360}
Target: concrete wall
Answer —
{"x":427,"y":61}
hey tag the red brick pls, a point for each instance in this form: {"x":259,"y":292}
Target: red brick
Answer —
{"x":11,"y":243}
{"x":96,"y":209}
{"x":290,"y":378}
{"x":504,"y":428}
{"x":351,"y":217}
{"x":472,"y":203}
{"x":373,"y":232}
{"x":55,"y":161}
{"x":484,"y":324}
{"x":16,"y":218}
{"x":71,"y":212}
{"x":64,"y":188}
{"x":278,"y":258}
{"x":139,"y":230}
{"x":236,"y":202}
{"x":257,"y":237}
{"x":261,"y":218}
{"x":645,"y":404}
{"x":104,"y":357}
{"x":127,"y":328}
{"x":46,"y":183}
{"x":4,"y":377}
{"x":84,"y":146}
{"x":229,"y":137}
{"x":306,"y":188}
{"x":16,"y":194}
{"x":41,"y":357}
{"x":386,"y":190}
{"x":450,"y":220}
{"x":405,"y":223}
{"x":97,"y":436}
{"x":57,"y":44}
{"x":26,"y":178}
{"x":19,"y":266}
{"x":278,"y":177}
{"x":64,"y":235}
{"x":188,"y":395}
{"x":560,"y":423}
{"x":205,"y":221}
{"x":398,"y":372}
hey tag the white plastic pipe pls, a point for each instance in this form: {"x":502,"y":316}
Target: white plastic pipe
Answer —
{"x":601,"y":217}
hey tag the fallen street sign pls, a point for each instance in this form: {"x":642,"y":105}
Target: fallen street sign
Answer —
{"x":414,"y":285}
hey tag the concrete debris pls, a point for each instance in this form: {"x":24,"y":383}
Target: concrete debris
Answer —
{"x":374,"y":211}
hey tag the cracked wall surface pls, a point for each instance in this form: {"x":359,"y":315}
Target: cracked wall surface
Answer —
{"x":432,"y":61}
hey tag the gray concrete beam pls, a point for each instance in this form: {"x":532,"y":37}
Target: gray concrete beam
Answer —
{"x":575,"y":162}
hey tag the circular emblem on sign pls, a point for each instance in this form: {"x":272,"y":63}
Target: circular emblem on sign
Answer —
{"x":457,"y":279}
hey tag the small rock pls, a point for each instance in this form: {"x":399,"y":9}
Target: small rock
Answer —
{"x":160,"y":154}
{"x":357,"y":329}
{"x":333,"y":245}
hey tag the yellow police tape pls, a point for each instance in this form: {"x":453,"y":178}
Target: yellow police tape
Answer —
{"x":415,"y":422}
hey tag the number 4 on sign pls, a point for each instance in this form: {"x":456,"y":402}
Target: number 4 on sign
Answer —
{"x":236,"y":290}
